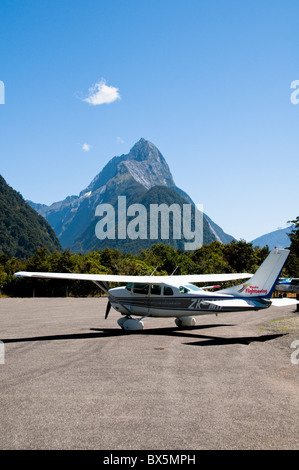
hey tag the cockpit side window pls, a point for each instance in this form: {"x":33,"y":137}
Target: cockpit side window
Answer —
{"x":155,"y":289}
{"x":167,"y":290}
{"x":140,"y":289}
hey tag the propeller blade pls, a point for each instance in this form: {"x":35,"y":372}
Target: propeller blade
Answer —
{"x":107,"y":309}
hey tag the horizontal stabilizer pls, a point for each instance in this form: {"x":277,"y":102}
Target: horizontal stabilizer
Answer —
{"x":235,"y":304}
{"x":240,"y":304}
{"x":284,"y":302}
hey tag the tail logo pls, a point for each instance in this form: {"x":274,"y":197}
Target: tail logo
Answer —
{"x":249,"y":289}
{"x":244,"y":287}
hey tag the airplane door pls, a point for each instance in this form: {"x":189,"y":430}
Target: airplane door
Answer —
{"x":154,"y":298}
{"x":141,"y":298}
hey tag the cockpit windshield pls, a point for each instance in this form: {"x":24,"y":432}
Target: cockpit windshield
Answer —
{"x":188,"y":288}
{"x":183,"y":289}
{"x":192,"y":287}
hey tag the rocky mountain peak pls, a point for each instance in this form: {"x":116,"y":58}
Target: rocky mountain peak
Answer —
{"x":144,"y":163}
{"x":142,"y":176}
{"x":147,"y":165}
{"x":144,"y":150}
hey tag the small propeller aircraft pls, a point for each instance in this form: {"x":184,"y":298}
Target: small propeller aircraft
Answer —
{"x":177,"y":296}
{"x":290,"y":284}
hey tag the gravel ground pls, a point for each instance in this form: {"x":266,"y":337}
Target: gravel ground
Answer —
{"x":72,"y":380}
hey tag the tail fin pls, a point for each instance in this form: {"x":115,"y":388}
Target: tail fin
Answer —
{"x":263,"y":282}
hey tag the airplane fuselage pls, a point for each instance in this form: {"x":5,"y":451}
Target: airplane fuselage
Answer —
{"x":168,"y":300}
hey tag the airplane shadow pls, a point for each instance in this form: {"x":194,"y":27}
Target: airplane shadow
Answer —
{"x":245,"y":340}
{"x":187,"y":333}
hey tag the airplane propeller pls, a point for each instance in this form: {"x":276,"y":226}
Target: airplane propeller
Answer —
{"x":107,"y":309}
{"x":104,"y":287}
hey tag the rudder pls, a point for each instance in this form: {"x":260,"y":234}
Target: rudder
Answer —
{"x":263,"y":282}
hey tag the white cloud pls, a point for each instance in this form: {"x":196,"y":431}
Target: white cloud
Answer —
{"x":119,"y":140}
{"x":86,"y":147}
{"x":101,"y":93}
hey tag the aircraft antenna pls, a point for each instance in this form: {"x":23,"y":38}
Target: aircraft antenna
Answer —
{"x":174,"y":271}
{"x":155,"y":270}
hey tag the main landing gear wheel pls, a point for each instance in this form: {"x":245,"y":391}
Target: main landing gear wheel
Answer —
{"x":130,"y":324}
{"x":185,"y":321}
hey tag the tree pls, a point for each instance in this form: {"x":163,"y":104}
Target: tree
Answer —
{"x":161,"y":256}
{"x":3,"y":278}
{"x":243,"y":257}
{"x":209,"y":259}
{"x":292,"y":266}
{"x":39,"y":261}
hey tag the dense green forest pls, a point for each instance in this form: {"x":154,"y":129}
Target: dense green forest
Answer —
{"x":22,"y":230}
{"x":161,"y":259}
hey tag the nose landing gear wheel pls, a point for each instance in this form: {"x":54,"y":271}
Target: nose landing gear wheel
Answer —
{"x":130,"y":324}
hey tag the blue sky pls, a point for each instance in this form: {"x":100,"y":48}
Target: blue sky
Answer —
{"x":207,"y":81}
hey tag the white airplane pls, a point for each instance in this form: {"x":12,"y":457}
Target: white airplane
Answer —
{"x":290,"y":284}
{"x":177,"y":296}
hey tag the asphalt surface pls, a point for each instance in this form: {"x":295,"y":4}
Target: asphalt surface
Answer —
{"x":72,"y":380}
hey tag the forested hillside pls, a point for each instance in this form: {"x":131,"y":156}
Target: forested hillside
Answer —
{"x":22,"y":230}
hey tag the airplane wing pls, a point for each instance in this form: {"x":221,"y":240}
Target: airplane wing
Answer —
{"x":247,"y":303}
{"x":142,"y":279}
